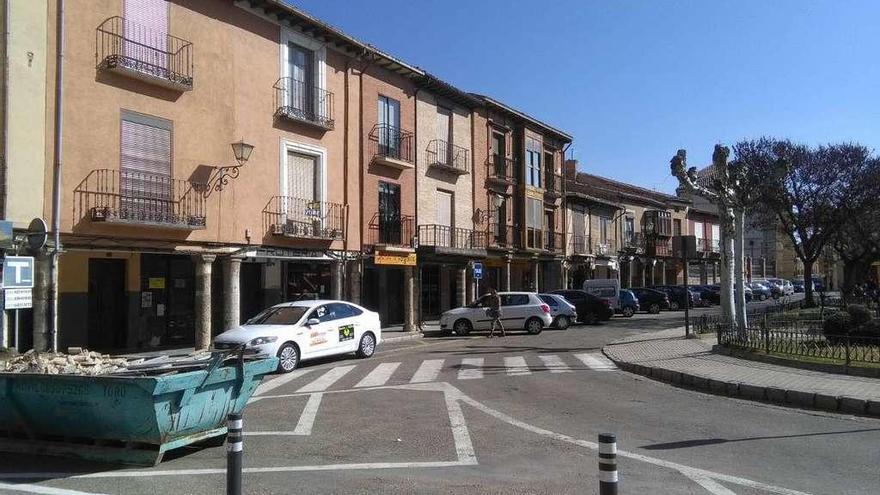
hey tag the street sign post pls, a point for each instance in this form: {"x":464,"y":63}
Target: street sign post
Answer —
{"x":478,"y":270}
{"x":18,"y":272}
{"x":18,"y":299}
{"x":684,"y":246}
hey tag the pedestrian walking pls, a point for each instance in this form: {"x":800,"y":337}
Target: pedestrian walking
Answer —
{"x":494,"y":312}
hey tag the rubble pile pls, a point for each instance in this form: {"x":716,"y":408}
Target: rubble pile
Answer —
{"x":76,"y":362}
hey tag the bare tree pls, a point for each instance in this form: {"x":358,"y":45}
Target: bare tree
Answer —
{"x":810,"y":191}
{"x":857,"y":243}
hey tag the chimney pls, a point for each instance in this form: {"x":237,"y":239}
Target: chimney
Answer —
{"x":570,"y":168}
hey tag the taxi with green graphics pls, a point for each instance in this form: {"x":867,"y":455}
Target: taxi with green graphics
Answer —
{"x":301,"y":330}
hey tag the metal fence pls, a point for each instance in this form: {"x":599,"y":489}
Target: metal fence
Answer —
{"x":304,"y":218}
{"x":451,"y":237}
{"x":391,"y":230}
{"x":296,"y":100}
{"x":448,"y":156}
{"x":387,"y":141}
{"x":807,"y":341}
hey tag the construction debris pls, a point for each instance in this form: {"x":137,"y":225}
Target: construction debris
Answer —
{"x":57,"y":363}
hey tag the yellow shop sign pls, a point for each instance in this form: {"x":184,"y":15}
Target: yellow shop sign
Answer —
{"x":392,"y":258}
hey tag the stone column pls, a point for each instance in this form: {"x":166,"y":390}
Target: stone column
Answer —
{"x":443,"y":289}
{"x":704,"y":273}
{"x":336,"y":279}
{"x":409,"y":314}
{"x":203,"y":299}
{"x":41,"y":304}
{"x":231,"y":292}
{"x":462,"y":286}
{"x":663,"y":272}
{"x":563,"y":271}
{"x":354,"y":281}
{"x":763,"y":267}
{"x":505,"y":276}
{"x":536,"y":273}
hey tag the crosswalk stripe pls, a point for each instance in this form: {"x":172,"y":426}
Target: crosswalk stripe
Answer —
{"x":274,"y":383}
{"x":471,"y":369}
{"x":554,"y":363}
{"x":516,"y":365}
{"x":427,"y":371}
{"x":324,"y":381}
{"x":378,"y":376}
{"x":596,"y":361}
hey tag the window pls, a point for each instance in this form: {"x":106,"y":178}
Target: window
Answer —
{"x":389,"y":213}
{"x":303,"y":176}
{"x":550,"y":300}
{"x":301,"y":63}
{"x":676,"y":227}
{"x":146,"y":42}
{"x":534,"y":223}
{"x":549,"y":173}
{"x":389,"y":127}
{"x":279,"y":315}
{"x":514,"y":300}
{"x":604,"y":224}
{"x":325,"y":313}
{"x":145,"y":165}
{"x":444,"y":135}
{"x":533,"y":162}
{"x":629,"y":229}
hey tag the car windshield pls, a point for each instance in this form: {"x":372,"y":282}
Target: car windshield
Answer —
{"x":279,"y":315}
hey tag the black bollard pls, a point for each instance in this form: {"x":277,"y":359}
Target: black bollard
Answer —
{"x":234,"y":453}
{"x":607,"y":464}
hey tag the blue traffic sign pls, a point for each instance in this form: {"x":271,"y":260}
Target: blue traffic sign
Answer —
{"x":478,"y":270}
{"x":18,"y":272}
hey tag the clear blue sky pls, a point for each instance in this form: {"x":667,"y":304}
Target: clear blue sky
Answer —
{"x":633,"y":81}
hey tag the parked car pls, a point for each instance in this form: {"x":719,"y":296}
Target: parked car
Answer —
{"x":713,"y":293}
{"x":761,"y":292}
{"x":798,"y":284}
{"x":518,"y":310}
{"x":780,"y":287}
{"x":707,"y":295}
{"x":678,"y":297}
{"x":627,"y":303}
{"x":562,"y":311}
{"x":590,"y":309}
{"x":302,"y":330}
{"x":651,"y":300}
{"x":606,"y":288}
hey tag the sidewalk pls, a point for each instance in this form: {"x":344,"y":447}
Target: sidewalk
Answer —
{"x":667,"y":356}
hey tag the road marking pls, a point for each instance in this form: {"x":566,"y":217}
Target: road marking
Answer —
{"x":596,"y":361}
{"x":710,"y":485}
{"x":307,"y":418}
{"x":460,"y":436}
{"x":281,"y":380}
{"x":516,"y":365}
{"x":326,"y":380}
{"x":554,"y":363}
{"x":46,"y":490}
{"x":378,"y":376}
{"x":471,"y":369}
{"x":428,"y":371}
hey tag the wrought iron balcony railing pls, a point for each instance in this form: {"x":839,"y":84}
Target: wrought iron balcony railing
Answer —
{"x":634,"y":243}
{"x":606,"y":248}
{"x":657,"y":222}
{"x":503,"y":236}
{"x":142,"y":199}
{"x":306,"y":219}
{"x":389,"y":230}
{"x":501,"y":170}
{"x":448,"y":156}
{"x":300,"y":102}
{"x":709,"y":245}
{"x":392,"y":146}
{"x":451,"y":237}
{"x":137,"y":51}
{"x":554,"y":242}
{"x":579,"y":245}
{"x":553,"y":183}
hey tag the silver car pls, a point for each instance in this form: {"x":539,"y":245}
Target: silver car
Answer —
{"x":562,"y":311}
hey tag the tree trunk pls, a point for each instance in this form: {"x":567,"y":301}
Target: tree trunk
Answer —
{"x":727,"y":305}
{"x":738,"y":249}
{"x":854,"y":272}
{"x":808,"y":284}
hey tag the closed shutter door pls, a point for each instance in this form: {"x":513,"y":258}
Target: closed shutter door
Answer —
{"x":303,"y":191}
{"x":145,"y":163}
{"x":146,"y":33}
{"x":578,"y":228}
{"x":444,"y":121}
{"x":444,"y":218}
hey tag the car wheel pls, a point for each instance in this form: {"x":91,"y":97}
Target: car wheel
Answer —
{"x":673,"y":305}
{"x":534,"y":326}
{"x":654,"y":308}
{"x":562,"y":322}
{"x":288,"y":358}
{"x":591,"y":318}
{"x":462,"y":327}
{"x":628,"y":311}
{"x":367,"y":347}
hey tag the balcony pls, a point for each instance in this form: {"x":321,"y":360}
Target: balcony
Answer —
{"x":554,"y":242}
{"x":658,"y":247}
{"x":448,"y":157}
{"x":579,"y":245}
{"x":634,"y":243}
{"x":658,"y":222}
{"x":503,"y":237}
{"x":391,"y":146}
{"x":385,"y":232}
{"x":135,"y":51}
{"x":709,"y":246}
{"x":443,"y":239}
{"x":113,"y":196}
{"x":608,"y":248}
{"x":305,"y":219}
{"x":295,"y":101}
{"x":501,"y":171}
{"x":553,"y":183}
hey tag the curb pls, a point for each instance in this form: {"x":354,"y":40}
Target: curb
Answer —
{"x":773,"y":395}
{"x":401,"y":338}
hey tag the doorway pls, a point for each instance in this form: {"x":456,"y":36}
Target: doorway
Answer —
{"x":430,"y":291}
{"x":106,"y":304}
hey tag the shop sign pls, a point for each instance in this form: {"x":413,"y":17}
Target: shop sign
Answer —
{"x":18,"y":298}
{"x":392,"y":258}
{"x":157,"y":283}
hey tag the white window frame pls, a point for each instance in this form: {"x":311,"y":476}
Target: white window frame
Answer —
{"x":288,"y":36}
{"x":305,"y":149}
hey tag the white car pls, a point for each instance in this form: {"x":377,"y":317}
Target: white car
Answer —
{"x":562,"y":311}
{"x":518,"y":310}
{"x":296,"y":331}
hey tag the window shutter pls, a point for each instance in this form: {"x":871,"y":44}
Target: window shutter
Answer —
{"x":303,"y":177}
{"x":145,"y":149}
{"x":146,"y":31}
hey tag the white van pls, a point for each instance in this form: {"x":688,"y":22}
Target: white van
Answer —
{"x":606,"y":288}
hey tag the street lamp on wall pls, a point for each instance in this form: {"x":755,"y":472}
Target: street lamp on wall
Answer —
{"x":241,"y":151}
{"x":484,"y":216}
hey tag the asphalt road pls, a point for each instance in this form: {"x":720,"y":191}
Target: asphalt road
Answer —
{"x":506,"y":415}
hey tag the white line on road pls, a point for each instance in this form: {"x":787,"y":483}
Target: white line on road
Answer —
{"x":709,"y":484}
{"x":596,"y":361}
{"x":463,"y":446}
{"x":471,"y":369}
{"x":45,"y":490}
{"x":554,"y":363}
{"x":307,"y":418}
{"x":281,"y":380}
{"x":378,"y":376}
{"x":428,"y":371}
{"x":326,"y":380}
{"x":516,"y":365}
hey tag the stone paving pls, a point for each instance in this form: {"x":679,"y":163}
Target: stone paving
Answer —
{"x":669,"y":357}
